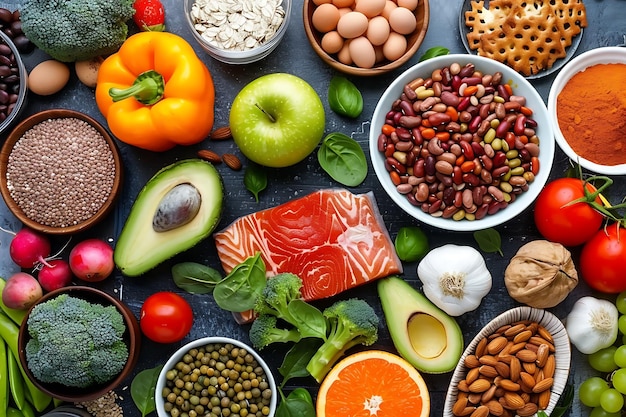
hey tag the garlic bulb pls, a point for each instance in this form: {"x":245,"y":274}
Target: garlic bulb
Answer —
{"x":592,"y":324}
{"x":455,"y":278}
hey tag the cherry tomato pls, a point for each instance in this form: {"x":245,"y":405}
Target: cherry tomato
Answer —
{"x":165,"y":317}
{"x":603,"y":260}
{"x":569,"y":225}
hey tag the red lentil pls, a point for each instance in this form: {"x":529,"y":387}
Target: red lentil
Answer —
{"x":61,"y":172}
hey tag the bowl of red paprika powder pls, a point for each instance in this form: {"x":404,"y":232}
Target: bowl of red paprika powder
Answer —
{"x":587,"y":107}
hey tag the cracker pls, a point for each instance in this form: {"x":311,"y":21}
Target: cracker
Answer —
{"x":483,"y":21}
{"x":571,"y":17}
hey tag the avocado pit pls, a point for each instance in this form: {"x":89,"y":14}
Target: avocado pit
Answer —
{"x":178,"y":207}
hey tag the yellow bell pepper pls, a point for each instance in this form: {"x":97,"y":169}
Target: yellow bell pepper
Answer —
{"x":155,"y":92}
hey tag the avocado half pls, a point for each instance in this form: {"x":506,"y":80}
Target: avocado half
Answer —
{"x":140,"y":247}
{"x":424,"y":335}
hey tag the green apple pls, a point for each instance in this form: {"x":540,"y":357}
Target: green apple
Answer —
{"x":277,"y":120}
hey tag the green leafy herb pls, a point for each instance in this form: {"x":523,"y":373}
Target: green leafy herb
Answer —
{"x":295,"y":361}
{"x":298,"y":403}
{"x":489,"y":240}
{"x":195,"y":278}
{"x":344,"y":97}
{"x":309,"y":319}
{"x":142,"y":389}
{"x":239,"y":290}
{"x":433,"y":52}
{"x":255,"y":180}
{"x":411,"y":244}
{"x":343,"y":159}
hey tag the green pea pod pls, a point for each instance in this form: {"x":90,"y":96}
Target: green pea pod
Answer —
{"x":4,"y":382}
{"x":9,"y":331}
{"x":27,"y":410}
{"x":14,"y":412}
{"x":16,"y":382}
{"x":16,"y":315}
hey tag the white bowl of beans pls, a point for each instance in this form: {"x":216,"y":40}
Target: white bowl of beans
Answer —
{"x":587,"y":110}
{"x":217,"y":375}
{"x":60,"y":172}
{"x":14,"y":90}
{"x":461,"y":142}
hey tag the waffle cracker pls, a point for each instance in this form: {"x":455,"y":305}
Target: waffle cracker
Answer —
{"x":571,"y":17}
{"x":483,"y":21}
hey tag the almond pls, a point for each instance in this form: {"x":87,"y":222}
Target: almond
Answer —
{"x":232,"y":161}
{"x":503,"y":369}
{"x":543,"y":385}
{"x":509,"y":385}
{"x":488,"y":371}
{"x":527,"y":379}
{"x":471,"y":361}
{"x":543,"y":351}
{"x":538,"y":340}
{"x":496,"y":345}
{"x":221,"y":133}
{"x":530,"y":367}
{"x":543,"y":332}
{"x":522,"y":336}
{"x":526,"y":355}
{"x":472,"y":375}
{"x":544,"y":399}
{"x":513,"y":330}
{"x":488,"y":360}
{"x":527,"y":410}
{"x":513,"y":400}
{"x":209,"y":156}
{"x":516,"y":368}
{"x":489,"y":394}
{"x":549,"y":367}
{"x":495,"y":408}
{"x":480,"y":385}
{"x":481,"y":347}
{"x":481,"y":411}
{"x":459,"y":406}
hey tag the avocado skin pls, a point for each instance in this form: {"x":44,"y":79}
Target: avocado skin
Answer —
{"x":400,"y":302}
{"x":139,"y":248}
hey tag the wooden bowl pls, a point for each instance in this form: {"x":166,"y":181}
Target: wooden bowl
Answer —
{"x":7,"y":148}
{"x":132,"y":337}
{"x":414,"y":40}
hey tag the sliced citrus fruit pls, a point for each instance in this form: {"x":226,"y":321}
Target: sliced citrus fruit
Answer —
{"x":373,"y":383}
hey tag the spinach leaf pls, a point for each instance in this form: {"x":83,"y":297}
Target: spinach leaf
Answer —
{"x":142,"y":389}
{"x":255,"y":180}
{"x":238,"y":291}
{"x":301,"y":393}
{"x":297,"y":404}
{"x":344,"y":97}
{"x":433,"y":52}
{"x":295,"y":361}
{"x":343,"y":159}
{"x":195,"y":278}
{"x":489,"y":240}
{"x":309,"y":319}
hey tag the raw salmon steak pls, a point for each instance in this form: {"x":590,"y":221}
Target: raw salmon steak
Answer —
{"x":332,"y":239}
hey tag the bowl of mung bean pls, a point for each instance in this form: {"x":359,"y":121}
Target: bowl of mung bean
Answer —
{"x":14,"y":87}
{"x":461,"y":142}
{"x":238,"y":31}
{"x":60,"y":172}
{"x":216,"y":376}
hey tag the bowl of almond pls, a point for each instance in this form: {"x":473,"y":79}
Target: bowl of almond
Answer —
{"x":518,"y":362}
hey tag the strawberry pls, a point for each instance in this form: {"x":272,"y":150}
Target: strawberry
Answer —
{"x":149,"y":15}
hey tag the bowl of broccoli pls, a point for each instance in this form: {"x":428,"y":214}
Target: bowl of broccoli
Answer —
{"x":77,"y":343}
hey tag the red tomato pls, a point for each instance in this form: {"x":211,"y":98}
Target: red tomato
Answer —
{"x":165,"y":317}
{"x":603,"y":260}
{"x":570,"y":225}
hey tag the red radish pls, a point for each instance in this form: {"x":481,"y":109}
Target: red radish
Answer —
{"x":21,"y":291}
{"x":92,"y":260}
{"x":57,"y":274}
{"x":28,"y":248}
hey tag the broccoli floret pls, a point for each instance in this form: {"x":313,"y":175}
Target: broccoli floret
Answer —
{"x":351,"y":322}
{"x":76,"y":30}
{"x":264,"y":331}
{"x":277,"y":294}
{"x":74,"y":342}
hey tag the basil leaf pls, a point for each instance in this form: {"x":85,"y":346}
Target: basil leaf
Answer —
{"x":255,"y":180}
{"x":142,"y":389}
{"x":343,"y":159}
{"x":344,"y":97}
{"x":301,"y":393}
{"x":295,"y":407}
{"x":433,"y":52}
{"x":295,"y":361}
{"x":411,"y":244}
{"x":195,"y":278}
{"x":307,"y":318}
{"x":489,"y":240}
{"x":238,"y":291}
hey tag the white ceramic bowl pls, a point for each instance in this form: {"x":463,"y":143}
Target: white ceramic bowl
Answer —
{"x":605,"y":55}
{"x":240,"y":57}
{"x":561,"y":344}
{"x":160,"y":409}
{"x":520,"y":87}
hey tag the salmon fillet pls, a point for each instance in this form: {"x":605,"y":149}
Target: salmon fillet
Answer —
{"x":332,"y":239}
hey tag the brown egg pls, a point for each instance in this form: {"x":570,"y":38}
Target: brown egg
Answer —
{"x":332,"y":42}
{"x":48,"y":77}
{"x":343,"y":55}
{"x":325,"y":17}
{"x":370,"y":8}
{"x":395,"y":46}
{"x":378,"y":30}
{"x":389,"y":6}
{"x":402,"y":20}
{"x":409,"y":4}
{"x":352,"y":24}
{"x":362,"y":52}
{"x":318,"y":2}
{"x":343,"y":3}
{"x":344,"y":10}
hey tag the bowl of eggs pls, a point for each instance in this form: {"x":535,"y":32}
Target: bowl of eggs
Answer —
{"x":366,"y":37}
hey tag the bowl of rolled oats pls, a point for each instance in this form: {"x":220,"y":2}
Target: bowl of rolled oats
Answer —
{"x":238,"y":31}
{"x":60,"y":172}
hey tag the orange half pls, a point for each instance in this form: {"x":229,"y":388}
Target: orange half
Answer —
{"x":373,"y":383}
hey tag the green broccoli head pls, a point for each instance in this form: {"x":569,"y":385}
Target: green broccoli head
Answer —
{"x":276,"y":295}
{"x":76,"y":30}
{"x":351,"y":322}
{"x":74,"y":342}
{"x":264,"y":331}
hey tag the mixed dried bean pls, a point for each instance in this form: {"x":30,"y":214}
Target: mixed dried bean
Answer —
{"x":460,"y":144}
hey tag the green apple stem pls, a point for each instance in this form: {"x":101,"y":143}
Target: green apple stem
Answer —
{"x":269,"y":116}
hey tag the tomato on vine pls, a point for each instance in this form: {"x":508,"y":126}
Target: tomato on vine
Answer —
{"x":603,"y":259}
{"x":569,"y":210}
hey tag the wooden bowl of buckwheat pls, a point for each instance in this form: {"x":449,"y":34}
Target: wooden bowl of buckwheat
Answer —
{"x":60,"y":172}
